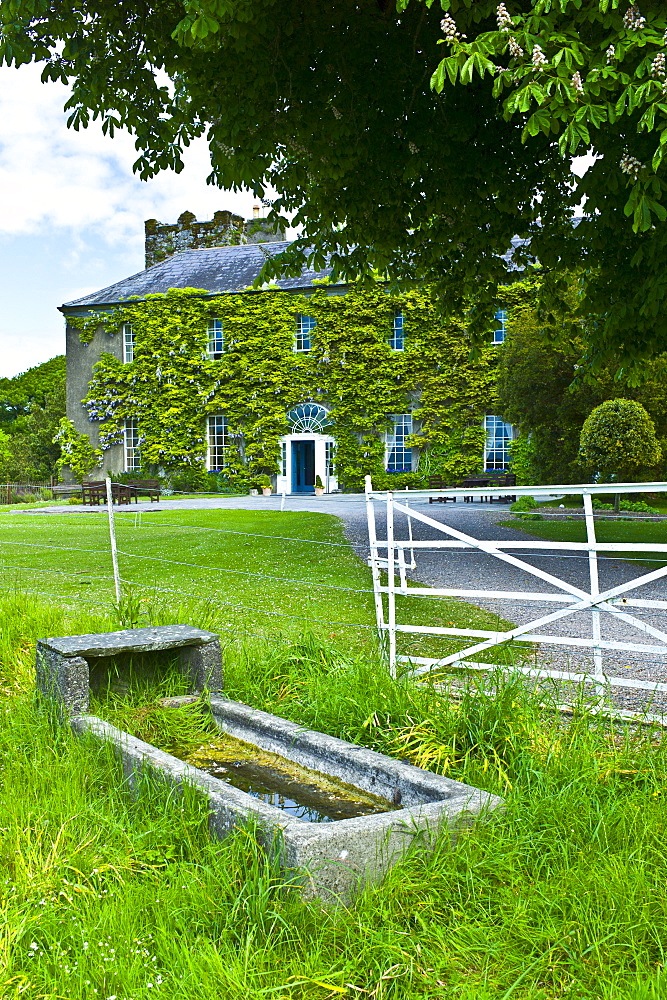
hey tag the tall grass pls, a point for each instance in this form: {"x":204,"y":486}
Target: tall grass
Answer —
{"x":560,"y":896}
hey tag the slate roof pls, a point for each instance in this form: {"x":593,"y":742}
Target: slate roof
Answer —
{"x":215,"y":269}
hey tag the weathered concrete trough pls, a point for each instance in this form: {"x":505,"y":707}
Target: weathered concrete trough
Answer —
{"x":336,"y":857}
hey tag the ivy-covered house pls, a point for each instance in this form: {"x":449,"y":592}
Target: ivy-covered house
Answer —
{"x":186,"y":365}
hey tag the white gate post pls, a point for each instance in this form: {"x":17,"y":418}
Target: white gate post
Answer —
{"x":391,"y":584}
{"x":375,"y":571}
{"x":598,"y":668}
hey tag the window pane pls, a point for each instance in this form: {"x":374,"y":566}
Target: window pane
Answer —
{"x":399,"y":457}
{"x":132,"y":453}
{"x":217,"y":442}
{"x":499,"y":436}
{"x":501,"y":325}
{"x":397,"y":341}
{"x":304,"y":326}
{"x":216,"y":340}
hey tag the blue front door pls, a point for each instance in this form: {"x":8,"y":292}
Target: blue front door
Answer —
{"x":303,"y":466}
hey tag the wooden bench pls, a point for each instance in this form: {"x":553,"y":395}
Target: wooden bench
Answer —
{"x":95,"y":493}
{"x":491,"y":479}
{"x":150,"y":488}
{"x":439,"y":483}
{"x":66,"y":490}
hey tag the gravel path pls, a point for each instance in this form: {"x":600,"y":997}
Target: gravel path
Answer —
{"x":469,"y":569}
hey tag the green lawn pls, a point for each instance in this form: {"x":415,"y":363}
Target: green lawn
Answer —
{"x":259,"y":572}
{"x":109,"y":896}
{"x":560,"y":529}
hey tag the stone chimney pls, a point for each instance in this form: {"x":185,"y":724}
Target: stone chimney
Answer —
{"x":224,"y":229}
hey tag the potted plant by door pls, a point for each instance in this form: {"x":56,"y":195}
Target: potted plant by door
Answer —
{"x":265,"y":483}
{"x":319,"y":488}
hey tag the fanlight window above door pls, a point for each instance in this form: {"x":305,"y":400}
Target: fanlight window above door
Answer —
{"x":308,"y":418}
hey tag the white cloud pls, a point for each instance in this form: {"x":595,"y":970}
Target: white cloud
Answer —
{"x":53,"y":176}
{"x":72,"y":212}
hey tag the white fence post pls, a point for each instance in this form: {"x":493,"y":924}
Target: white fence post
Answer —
{"x":375,"y":570}
{"x":598,"y":668}
{"x":112,"y":537}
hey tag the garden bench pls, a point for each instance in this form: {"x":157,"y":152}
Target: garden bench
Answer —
{"x":66,"y":490}
{"x":62,"y":664}
{"x":492,"y":479}
{"x":95,"y":493}
{"x":150,"y":488}
{"x":439,"y":483}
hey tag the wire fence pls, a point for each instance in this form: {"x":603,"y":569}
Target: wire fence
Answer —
{"x":168,"y":562}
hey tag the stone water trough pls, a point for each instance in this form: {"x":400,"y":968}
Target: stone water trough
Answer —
{"x":335,"y":856}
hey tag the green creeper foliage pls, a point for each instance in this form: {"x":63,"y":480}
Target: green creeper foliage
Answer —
{"x":618,"y":440}
{"x":76,"y":451}
{"x":171,"y":385}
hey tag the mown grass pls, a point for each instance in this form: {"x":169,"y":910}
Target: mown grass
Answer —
{"x":263,"y":572}
{"x":104,"y":895}
{"x":635,"y":530}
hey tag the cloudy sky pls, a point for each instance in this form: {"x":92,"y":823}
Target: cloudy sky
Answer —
{"x":72,"y":213}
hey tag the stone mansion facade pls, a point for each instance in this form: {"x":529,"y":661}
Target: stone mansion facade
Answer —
{"x":331,"y":376}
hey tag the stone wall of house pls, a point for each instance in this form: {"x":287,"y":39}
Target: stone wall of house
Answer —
{"x":224,"y":229}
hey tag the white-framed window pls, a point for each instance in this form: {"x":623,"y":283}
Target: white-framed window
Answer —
{"x":399,"y":455}
{"x":216,"y":340}
{"x":132,"y":453}
{"x":217,"y":442}
{"x":499,"y":436}
{"x":397,"y":339}
{"x":304,"y":327}
{"x":500,"y":329}
{"x":329,"y":457}
{"x":128,"y":343}
{"x":283,"y":458}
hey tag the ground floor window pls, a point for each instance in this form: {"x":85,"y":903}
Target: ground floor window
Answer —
{"x":499,"y":436}
{"x":399,"y":456}
{"x":329,"y":456}
{"x":217,"y":442}
{"x":132,"y":454}
{"x":283,"y":459}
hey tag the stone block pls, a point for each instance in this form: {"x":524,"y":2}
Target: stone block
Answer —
{"x":62,"y":663}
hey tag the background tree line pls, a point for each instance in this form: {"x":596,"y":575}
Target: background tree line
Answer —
{"x":31,"y":407}
{"x":547,"y":388}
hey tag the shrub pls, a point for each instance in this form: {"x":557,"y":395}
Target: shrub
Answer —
{"x":618,"y":440}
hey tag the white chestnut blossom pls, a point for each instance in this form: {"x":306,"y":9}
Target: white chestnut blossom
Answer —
{"x":503,"y":18}
{"x":611,"y":54}
{"x":658,"y":66}
{"x":539,"y":58}
{"x":515,"y":49}
{"x":634,"y":20}
{"x":630,"y":165}
{"x":449,"y":29}
{"x":577,"y":82}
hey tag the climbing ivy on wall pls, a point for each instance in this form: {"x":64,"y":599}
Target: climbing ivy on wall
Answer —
{"x":171,"y":385}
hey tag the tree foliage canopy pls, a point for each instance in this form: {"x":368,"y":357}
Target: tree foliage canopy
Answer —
{"x":394,"y":152}
{"x":545,"y":389}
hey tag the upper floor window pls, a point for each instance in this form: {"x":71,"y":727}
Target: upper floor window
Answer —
{"x":304,"y":326}
{"x":397,"y":339}
{"x":217,"y":442}
{"x":500,"y":326}
{"x":216,"y":341}
{"x":399,"y":456}
{"x":499,"y":437}
{"x":128,"y":343}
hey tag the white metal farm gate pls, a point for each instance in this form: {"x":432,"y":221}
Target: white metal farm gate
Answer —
{"x":396,"y":556}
